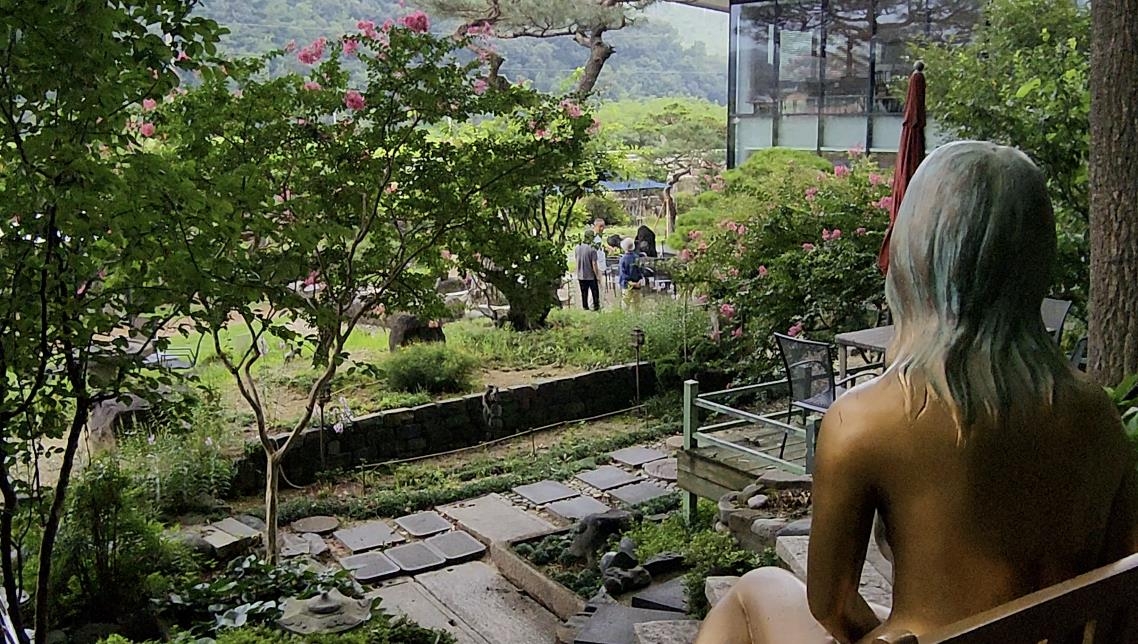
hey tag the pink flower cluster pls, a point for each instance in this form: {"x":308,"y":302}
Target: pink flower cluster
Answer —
{"x":738,"y":229}
{"x":311,"y":85}
{"x":727,"y":310}
{"x":695,"y":234}
{"x":480,"y":86}
{"x":350,"y":46}
{"x":860,"y":232}
{"x":149,"y":104}
{"x":313,"y":52}
{"x":811,"y":193}
{"x":416,"y":21}
{"x":795,"y":329}
{"x":686,"y":255}
{"x":146,"y":129}
{"x":481,"y":28}
{"x":367,"y":28}
{"x":594,"y":128}
{"x":571,"y":108}
{"x":763,"y":272}
{"x":353,"y":100}
{"x":876,"y":179}
{"x":885,"y":203}
{"x":737,"y":333}
{"x":857,"y":150}
{"x":808,"y":247}
{"x":831,"y":235}
{"x":841,"y":171}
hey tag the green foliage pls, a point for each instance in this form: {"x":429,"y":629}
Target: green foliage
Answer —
{"x":668,"y":134}
{"x":430,"y":367}
{"x":247,"y":592}
{"x":551,"y":554}
{"x":1023,"y":81}
{"x":181,"y":471}
{"x":111,"y":553}
{"x":1125,"y":398}
{"x":381,"y":629}
{"x":604,"y":207}
{"x":802,"y":256}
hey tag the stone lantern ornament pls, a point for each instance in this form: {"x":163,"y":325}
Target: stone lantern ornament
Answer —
{"x":328,"y":612}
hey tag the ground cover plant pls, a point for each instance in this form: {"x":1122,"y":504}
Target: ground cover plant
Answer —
{"x":381,"y":629}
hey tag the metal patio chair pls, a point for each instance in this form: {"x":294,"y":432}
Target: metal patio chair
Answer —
{"x":1054,"y":313}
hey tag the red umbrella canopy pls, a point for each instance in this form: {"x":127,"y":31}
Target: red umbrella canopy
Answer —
{"x":910,"y":152}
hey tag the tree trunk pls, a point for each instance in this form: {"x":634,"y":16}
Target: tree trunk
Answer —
{"x":272,"y":483}
{"x":1113,"y":325}
{"x":599,"y":53}
{"x":669,"y":211}
{"x":51,"y":528}
{"x":8,"y":548}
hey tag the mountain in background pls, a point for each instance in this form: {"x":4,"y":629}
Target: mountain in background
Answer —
{"x":671,"y":50}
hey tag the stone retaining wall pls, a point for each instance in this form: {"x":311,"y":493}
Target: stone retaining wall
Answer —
{"x":451,"y":424}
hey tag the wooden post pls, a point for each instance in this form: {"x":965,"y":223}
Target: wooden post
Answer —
{"x":691,"y":422}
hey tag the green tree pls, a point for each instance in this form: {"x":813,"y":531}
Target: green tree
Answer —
{"x":1022,"y":81}
{"x":85,"y":236}
{"x":352,"y":188}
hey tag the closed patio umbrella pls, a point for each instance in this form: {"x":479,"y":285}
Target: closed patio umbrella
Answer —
{"x":910,"y":152}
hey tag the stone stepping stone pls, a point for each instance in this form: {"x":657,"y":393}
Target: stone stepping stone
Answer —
{"x":423,"y":524}
{"x":607,"y":477}
{"x":491,"y":518}
{"x":638,"y":493}
{"x":406,"y":597}
{"x":490,"y":605}
{"x":664,"y":469}
{"x":636,"y":456}
{"x":381,"y":568}
{"x":369,"y":536}
{"x":577,"y":508}
{"x":680,"y":631}
{"x":669,"y":595}
{"x":236,"y":528}
{"x":456,"y":546}
{"x":317,"y":524}
{"x":615,"y":624}
{"x":355,"y":562}
{"x":294,"y":545}
{"x":415,"y":557}
{"x":544,"y":492}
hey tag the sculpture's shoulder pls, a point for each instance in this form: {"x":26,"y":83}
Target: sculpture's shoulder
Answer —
{"x":870,"y":409}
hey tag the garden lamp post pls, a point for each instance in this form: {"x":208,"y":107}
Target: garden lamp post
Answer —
{"x":324,"y":399}
{"x":637,"y":342}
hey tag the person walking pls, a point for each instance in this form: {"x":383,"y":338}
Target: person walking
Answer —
{"x":588,"y":271}
{"x":631,"y":277}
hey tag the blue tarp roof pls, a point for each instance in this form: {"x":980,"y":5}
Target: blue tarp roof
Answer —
{"x":637,"y":184}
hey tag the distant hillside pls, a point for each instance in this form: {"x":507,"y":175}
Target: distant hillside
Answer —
{"x":672,"y":50}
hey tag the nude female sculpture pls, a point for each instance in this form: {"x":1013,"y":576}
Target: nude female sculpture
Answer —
{"x":995,"y":468}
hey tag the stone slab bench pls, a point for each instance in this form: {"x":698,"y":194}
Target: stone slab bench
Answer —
{"x":876,"y":576}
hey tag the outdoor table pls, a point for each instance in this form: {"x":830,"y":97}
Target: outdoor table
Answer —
{"x":875,"y":339}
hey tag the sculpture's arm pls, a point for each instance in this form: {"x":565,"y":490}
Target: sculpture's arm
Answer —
{"x":843,"y":509}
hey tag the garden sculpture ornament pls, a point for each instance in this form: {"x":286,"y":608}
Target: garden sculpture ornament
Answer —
{"x":996,"y":469}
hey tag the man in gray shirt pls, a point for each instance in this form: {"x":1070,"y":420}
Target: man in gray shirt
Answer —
{"x":588,"y":271}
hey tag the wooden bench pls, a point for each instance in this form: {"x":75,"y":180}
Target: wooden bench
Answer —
{"x":1099,"y":607}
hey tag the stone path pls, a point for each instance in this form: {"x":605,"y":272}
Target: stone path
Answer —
{"x":490,"y":605}
{"x":875,"y":583}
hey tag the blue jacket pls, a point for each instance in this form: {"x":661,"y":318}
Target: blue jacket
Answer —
{"x":629,"y":269}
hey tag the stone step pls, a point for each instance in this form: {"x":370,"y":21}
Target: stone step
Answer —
{"x":874,"y":587}
{"x":680,"y":631}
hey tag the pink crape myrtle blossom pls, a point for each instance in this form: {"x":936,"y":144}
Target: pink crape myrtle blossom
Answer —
{"x":148,"y":104}
{"x":594,"y":128}
{"x":811,"y":193}
{"x":795,"y":330}
{"x":416,"y":21}
{"x":857,"y":150}
{"x":367,"y":28}
{"x":860,"y":232}
{"x":350,"y":47}
{"x":182,"y":56}
{"x":541,"y":133}
{"x":685,"y":255}
{"x":763,"y":272}
{"x":695,"y":234}
{"x":808,"y":247}
{"x":727,"y":310}
{"x":841,"y":171}
{"x":884,"y":203}
{"x":353,"y":100}
{"x":825,"y":234}
{"x":741,"y":230}
{"x":701,"y":248}
{"x":737,"y":333}
{"x":836,"y":234}
{"x":480,"y":86}
{"x":733,"y":272}
{"x":311,"y":85}
{"x":571,"y":108}
{"x":146,"y":129}
{"x":876,"y":179}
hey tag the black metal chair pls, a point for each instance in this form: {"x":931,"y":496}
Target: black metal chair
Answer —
{"x":810,"y":376}
{"x":1054,"y":313}
{"x":1078,"y":358}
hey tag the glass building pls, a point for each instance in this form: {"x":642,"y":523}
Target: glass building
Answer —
{"x":818,"y":74}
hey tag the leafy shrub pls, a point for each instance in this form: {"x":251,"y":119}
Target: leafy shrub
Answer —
{"x":430,"y":367}
{"x":604,"y":207}
{"x":1125,"y":397}
{"x":382,"y":629}
{"x":247,"y":592}
{"x":181,"y":471}
{"x":110,"y":555}
{"x":685,"y":201}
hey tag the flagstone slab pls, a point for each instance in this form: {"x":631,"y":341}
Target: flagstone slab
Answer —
{"x":664,"y":469}
{"x":411,"y":600}
{"x":237,"y":529}
{"x":681,"y":631}
{"x":489,"y":604}
{"x":456,"y":546}
{"x":415,"y":557}
{"x":317,"y":524}
{"x":491,"y":518}
{"x":636,"y":456}
{"x":544,"y":492}
{"x":614,"y":624}
{"x":316,"y":544}
{"x":577,"y":508}
{"x":669,"y":595}
{"x":638,"y":493}
{"x":607,"y":477}
{"x":355,"y":562}
{"x":368,"y":536}
{"x":423,"y":524}
{"x":379,"y":569}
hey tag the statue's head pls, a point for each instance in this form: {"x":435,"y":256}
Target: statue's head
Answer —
{"x":969,"y":264}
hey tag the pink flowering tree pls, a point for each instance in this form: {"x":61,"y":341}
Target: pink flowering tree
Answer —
{"x":85,"y":248}
{"x":789,"y":248}
{"x":345,"y":180}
